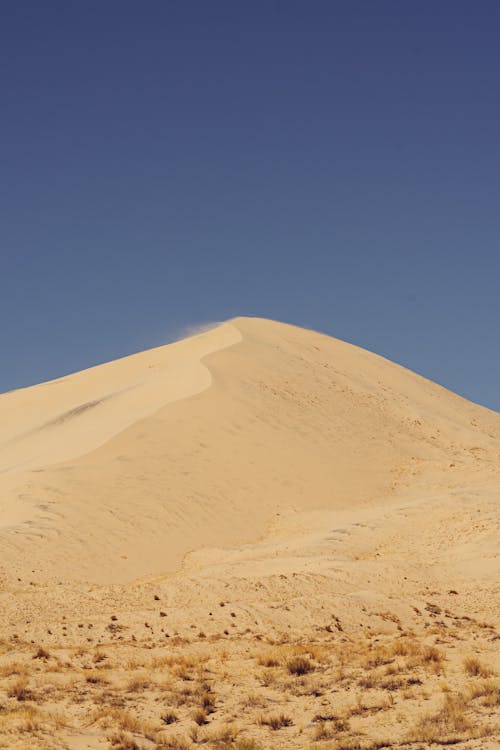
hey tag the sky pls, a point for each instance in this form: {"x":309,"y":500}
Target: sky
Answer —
{"x":331,"y":164}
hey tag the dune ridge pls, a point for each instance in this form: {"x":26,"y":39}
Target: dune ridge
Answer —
{"x":148,"y":380}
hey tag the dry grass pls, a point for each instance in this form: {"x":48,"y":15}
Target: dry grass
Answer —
{"x":246,"y":743}
{"x":94,"y":677}
{"x":474,"y":668}
{"x":200,"y":716}
{"x":177,"y":742}
{"x":331,"y":692}
{"x":123,"y":741}
{"x":327,"y":730}
{"x":111,"y":717}
{"x":449,"y":725}
{"x":169,"y":717}
{"x":268,"y":660}
{"x":138,"y":683}
{"x":299,"y":665}
{"x":488,"y":691}
{"x":20,"y":690}
{"x":14,"y":668}
{"x":276,"y":722}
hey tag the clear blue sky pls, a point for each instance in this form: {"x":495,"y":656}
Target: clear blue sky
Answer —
{"x":331,"y":164}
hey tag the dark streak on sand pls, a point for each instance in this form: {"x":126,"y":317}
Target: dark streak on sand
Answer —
{"x":67,"y":415}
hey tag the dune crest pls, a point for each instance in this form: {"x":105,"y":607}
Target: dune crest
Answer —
{"x":70,"y":416}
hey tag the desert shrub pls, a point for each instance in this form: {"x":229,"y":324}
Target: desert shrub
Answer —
{"x":41,"y":653}
{"x":299,"y":665}
{"x":199,"y":716}
{"x":169,"y":717}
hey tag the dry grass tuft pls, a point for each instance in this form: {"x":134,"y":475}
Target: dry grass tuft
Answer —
{"x":276,"y":722}
{"x":299,"y":665}
{"x":20,"y":690}
{"x":432,"y":655}
{"x":200,"y":716}
{"x":169,"y":717}
{"x":488,"y":691}
{"x":93,"y":677}
{"x":474,"y":668}
{"x":446,"y":725}
{"x":327,"y":730}
{"x":176,"y":743}
{"x":138,"y":683}
{"x":268,"y":660}
{"x":223,"y":737}
{"x":123,"y":741}
{"x":110,"y":717}
{"x":14,"y":668}
{"x":246,"y":743}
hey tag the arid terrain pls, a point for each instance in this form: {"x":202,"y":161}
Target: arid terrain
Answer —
{"x":256,"y":538}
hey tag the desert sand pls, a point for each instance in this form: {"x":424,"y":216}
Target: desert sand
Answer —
{"x":257,"y":537}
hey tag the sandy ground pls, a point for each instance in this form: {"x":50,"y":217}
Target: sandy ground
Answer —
{"x":177,"y":527}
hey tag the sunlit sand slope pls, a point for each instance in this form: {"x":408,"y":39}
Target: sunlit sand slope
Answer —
{"x":118,"y":471}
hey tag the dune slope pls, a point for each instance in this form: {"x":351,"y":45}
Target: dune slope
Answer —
{"x":120,"y":470}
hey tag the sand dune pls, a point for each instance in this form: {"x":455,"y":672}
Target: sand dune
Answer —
{"x":206,"y":442}
{"x":278,"y":469}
